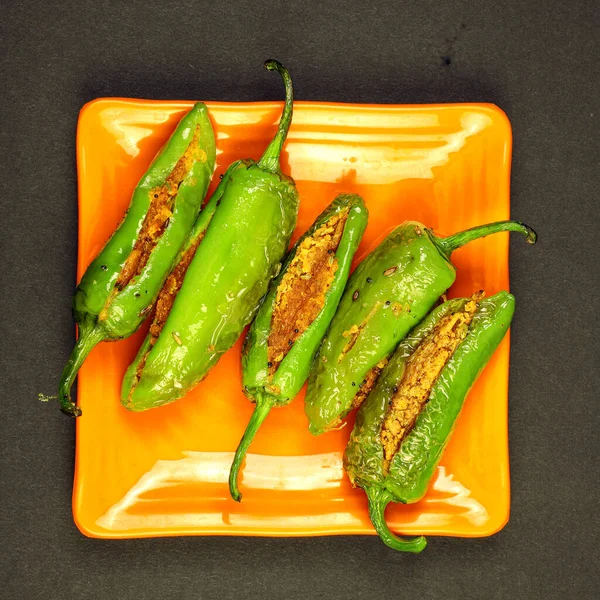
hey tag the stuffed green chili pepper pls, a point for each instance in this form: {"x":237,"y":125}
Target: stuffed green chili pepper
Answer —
{"x":216,"y":289}
{"x":292,"y":320}
{"x":120,"y":286}
{"x":403,"y":426}
{"x":394,"y":287}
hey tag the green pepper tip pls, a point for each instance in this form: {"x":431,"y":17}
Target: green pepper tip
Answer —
{"x":531,"y":235}
{"x":273,"y":65}
{"x":68,"y":408}
{"x":71,"y":410}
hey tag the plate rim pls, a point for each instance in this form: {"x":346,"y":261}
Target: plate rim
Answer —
{"x":501,"y":119}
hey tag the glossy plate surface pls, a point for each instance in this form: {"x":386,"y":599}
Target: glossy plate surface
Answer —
{"x":164,"y":472}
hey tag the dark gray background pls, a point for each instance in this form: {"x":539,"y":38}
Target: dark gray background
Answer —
{"x":536,"y":60}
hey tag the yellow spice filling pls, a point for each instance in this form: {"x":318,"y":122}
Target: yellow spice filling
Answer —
{"x":301,"y":293}
{"x":368,"y":383}
{"x":159,"y":212}
{"x":420,"y":374}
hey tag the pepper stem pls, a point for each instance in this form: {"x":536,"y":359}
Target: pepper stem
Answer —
{"x":263,"y":405}
{"x":270,"y":159}
{"x":452,"y":243}
{"x":87,"y":339}
{"x":378,"y":500}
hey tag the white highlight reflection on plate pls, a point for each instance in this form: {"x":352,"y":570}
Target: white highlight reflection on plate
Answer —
{"x":282,"y":473}
{"x":456,"y":494}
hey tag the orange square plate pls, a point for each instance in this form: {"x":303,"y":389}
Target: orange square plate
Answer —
{"x":164,"y":472}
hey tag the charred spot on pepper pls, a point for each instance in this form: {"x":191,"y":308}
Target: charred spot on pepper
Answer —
{"x":301,"y":292}
{"x":420,"y":374}
{"x":355,"y":295}
{"x":159,"y":213}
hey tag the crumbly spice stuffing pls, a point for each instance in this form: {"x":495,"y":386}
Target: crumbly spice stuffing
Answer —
{"x":420,"y":374}
{"x":162,"y":199}
{"x":170,"y":289}
{"x":301,"y":292}
{"x":367,"y":384}
{"x":166,"y":298}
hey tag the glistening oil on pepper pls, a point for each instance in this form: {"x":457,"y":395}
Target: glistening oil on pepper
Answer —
{"x":397,"y":284}
{"x":293,"y":318}
{"x":121,"y":284}
{"x":403,"y":426}
{"x":225,"y":280}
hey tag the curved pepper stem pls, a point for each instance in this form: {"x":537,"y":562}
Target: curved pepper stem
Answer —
{"x":87,"y":339}
{"x":263,"y":405}
{"x":378,"y":500}
{"x":270,"y":159}
{"x":452,"y":243}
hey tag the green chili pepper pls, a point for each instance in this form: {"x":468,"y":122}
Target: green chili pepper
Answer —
{"x":221,"y":288}
{"x":292,"y":320}
{"x":402,"y":428}
{"x":120,"y":286}
{"x":388,"y":294}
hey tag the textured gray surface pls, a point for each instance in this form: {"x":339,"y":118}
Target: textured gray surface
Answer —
{"x":537,"y":60}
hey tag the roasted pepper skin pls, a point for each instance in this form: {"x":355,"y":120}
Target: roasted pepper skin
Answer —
{"x":101,"y":311}
{"x":397,"y":283}
{"x":293,"y":370}
{"x":280,"y":388}
{"x":413,"y":466}
{"x":227,"y":278}
{"x":198,"y":230}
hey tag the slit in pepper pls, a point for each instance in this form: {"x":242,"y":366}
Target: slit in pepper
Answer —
{"x":167,"y":296}
{"x":301,"y":294}
{"x":421,"y":372}
{"x":162,"y":199}
{"x":368,"y":383}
